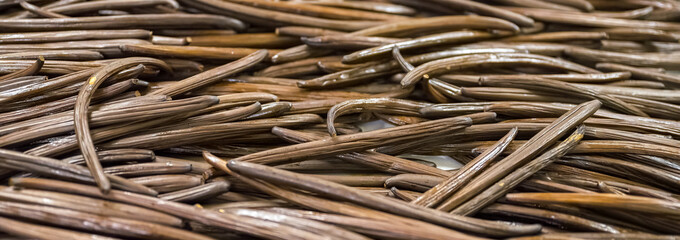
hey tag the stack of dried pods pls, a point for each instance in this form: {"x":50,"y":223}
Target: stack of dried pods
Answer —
{"x":232,"y":119}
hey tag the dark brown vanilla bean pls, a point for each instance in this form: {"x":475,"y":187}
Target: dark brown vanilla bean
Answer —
{"x":356,"y":142}
{"x":382,"y":7}
{"x":39,"y":11}
{"x":385,"y":105}
{"x":88,"y":205}
{"x":52,"y":167}
{"x":330,"y":206}
{"x":197,"y":193}
{"x":82,"y":129}
{"x":206,"y":133}
{"x":667,"y":61}
{"x":581,"y":19}
{"x":91,"y":222}
{"x":169,"y":182}
{"x":292,"y":69}
{"x":51,"y":125}
{"x":32,"y":230}
{"x":33,"y":69}
{"x":442,"y":66}
{"x":207,"y":217}
{"x":560,"y":219}
{"x":446,"y":188}
{"x":61,"y":36}
{"x":212,"y":75}
{"x":376,"y":160}
{"x":117,"y":155}
{"x":601,"y":200}
{"x":190,"y":52}
{"x":504,"y":185}
{"x":305,"y":31}
{"x":83,"y":7}
{"x":136,"y":21}
{"x":539,"y":5}
{"x":144,"y":169}
{"x":238,"y":10}
{"x":540,"y":141}
{"x":487,"y":10}
{"x":382,"y":203}
{"x":562,"y":87}
{"x":246,"y":40}
{"x":359,"y":74}
{"x":320,"y":11}
{"x":425,"y":41}
{"x":640,"y":73}
{"x":558,"y":37}
{"x":347,"y":41}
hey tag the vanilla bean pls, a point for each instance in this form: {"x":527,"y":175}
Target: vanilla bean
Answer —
{"x":446,"y":188}
{"x":537,"y":143}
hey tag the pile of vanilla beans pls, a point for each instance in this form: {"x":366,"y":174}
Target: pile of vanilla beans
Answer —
{"x":241,"y":119}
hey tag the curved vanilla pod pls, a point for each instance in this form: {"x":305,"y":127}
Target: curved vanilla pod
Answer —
{"x":513,"y":179}
{"x":445,"y":65}
{"x":33,"y":69}
{"x":433,"y":196}
{"x":438,"y":89}
{"x":379,"y":161}
{"x":539,"y":142}
{"x":212,"y":75}
{"x":80,"y":116}
{"x":383,"y":105}
{"x":589,"y":20}
{"x":309,"y":183}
